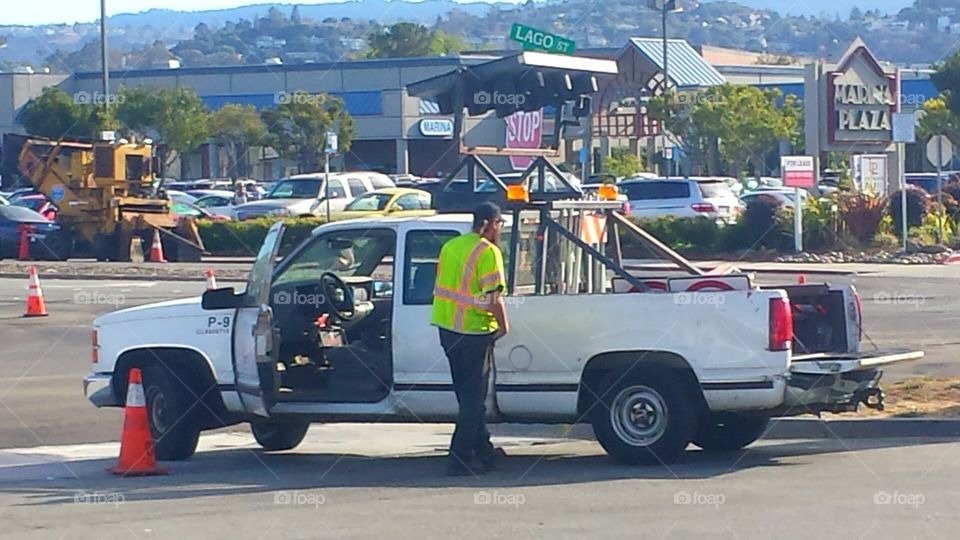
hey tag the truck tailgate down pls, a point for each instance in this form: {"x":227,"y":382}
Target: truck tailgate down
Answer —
{"x":833,"y":363}
{"x":839,"y":382}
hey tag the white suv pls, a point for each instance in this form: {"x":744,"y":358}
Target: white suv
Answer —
{"x":305,"y":194}
{"x":681,"y":198}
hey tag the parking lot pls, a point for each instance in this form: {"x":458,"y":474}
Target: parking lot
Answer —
{"x":351,"y":481}
{"x":56,"y":447}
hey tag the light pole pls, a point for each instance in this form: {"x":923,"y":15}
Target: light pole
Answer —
{"x":664,"y":7}
{"x":104,"y":67}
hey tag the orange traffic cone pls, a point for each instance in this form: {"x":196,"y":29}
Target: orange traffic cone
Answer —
{"x":801,"y":279}
{"x":23,"y":253}
{"x":136,"y":444}
{"x":35,"y":305}
{"x":211,"y":279}
{"x":156,"y":250}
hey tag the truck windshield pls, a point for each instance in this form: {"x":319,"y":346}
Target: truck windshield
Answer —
{"x":345,"y":253}
{"x":296,"y":189}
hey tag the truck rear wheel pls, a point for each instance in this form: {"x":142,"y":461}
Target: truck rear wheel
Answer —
{"x":171,"y":413}
{"x":725,"y":432}
{"x":274,"y":436}
{"x":644,"y":416}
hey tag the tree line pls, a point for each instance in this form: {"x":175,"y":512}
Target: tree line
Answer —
{"x":178,"y":121}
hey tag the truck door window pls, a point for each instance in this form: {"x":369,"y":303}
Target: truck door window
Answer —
{"x":367,"y":252}
{"x":420,"y":264}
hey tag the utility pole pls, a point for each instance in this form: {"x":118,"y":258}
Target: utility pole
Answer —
{"x":104,"y":66}
{"x":664,"y":7}
{"x":666,"y":87}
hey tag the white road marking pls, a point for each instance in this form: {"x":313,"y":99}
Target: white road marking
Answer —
{"x":100,"y":285}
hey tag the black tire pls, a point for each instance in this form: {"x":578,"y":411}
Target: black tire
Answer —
{"x":726,"y":432}
{"x":646,"y":416}
{"x":275,"y":436}
{"x":172,"y":412}
{"x":105,"y":247}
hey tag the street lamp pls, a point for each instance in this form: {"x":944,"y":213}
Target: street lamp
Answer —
{"x":664,"y":7}
{"x":104,"y":67}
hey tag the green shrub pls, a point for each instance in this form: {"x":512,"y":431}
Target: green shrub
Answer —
{"x":697,"y":236}
{"x":243,"y":238}
{"x":761,"y":223}
{"x":918,"y":205}
{"x":885,"y":240}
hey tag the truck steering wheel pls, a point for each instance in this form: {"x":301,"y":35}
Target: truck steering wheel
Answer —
{"x":330,"y":283}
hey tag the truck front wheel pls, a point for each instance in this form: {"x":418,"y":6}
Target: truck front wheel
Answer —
{"x":275,"y":436}
{"x":644,"y":416}
{"x":171,"y":413}
{"x":725,"y":432}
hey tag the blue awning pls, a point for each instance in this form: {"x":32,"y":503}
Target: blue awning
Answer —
{"x":685,"y":67}
{"x":366,"y":103}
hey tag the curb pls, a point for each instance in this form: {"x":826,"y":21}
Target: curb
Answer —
{"x":783,"y":428}
{"x":117,"y":277}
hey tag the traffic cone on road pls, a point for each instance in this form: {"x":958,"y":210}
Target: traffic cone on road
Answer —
{"x":35,"y":304}
{"x":23,"y":253}
{"x":136,"y":445}
{"x":211,"y":279}
{"x":156,"y":249}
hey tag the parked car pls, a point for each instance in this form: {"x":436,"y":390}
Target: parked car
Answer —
{"x":925,"y":181}
{"x":305,"y":194}
{"x":392,"y":201}
{"x":786,"y":196}
{"x":194,"y":211}
{"x":39,"y":203}
{"x":46,"y":240}
{"x":681,"y":198}
{"x":180,"y":196}
{"x":215,"y":201}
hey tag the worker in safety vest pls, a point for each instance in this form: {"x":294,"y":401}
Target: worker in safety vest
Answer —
{"x":469,"y":311}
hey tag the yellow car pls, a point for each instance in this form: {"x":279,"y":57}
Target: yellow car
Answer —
{"x":389,"y":202}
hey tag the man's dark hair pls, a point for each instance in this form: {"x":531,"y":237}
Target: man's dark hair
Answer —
{"x":485,"y":211}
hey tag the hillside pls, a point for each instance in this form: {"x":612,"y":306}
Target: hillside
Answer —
{"x":921,"y":33}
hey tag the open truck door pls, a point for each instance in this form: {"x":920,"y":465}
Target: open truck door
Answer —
{"x":256,"y":343}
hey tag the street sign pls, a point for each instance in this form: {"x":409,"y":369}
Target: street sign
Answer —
{"x":524,"y":130}
{"x":797,"y":171}
{"x":661,"y":5}
{"x":436,"y":127}
{"x":870,"y":173}
{"x":331,"y":146}
{"x":534,"y":39}
{"x":939,"y":151}
{"x":904,"y":128}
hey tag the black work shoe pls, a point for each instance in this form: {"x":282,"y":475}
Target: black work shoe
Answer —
{"x":492,"y":459}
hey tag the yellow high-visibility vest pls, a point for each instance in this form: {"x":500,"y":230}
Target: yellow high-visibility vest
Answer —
{"x":470,"y":269}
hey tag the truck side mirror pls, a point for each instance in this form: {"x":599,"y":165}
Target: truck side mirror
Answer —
{"x":224,"y":298}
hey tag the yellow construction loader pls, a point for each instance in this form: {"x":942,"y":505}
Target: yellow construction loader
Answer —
{"x":106,"y":196}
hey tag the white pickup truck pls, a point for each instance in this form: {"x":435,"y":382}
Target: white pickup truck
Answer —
{"x":339,"y":330}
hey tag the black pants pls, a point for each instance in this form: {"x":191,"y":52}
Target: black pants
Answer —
{"x":471,"y":358}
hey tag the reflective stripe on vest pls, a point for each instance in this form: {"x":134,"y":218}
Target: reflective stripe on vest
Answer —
{"x":463,"y":298}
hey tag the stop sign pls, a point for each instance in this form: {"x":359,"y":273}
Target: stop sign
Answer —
{"x":523,"y":130}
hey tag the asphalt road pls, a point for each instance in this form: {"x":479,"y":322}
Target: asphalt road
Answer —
{"x":42,"y":361}
{"x":366,"y":482}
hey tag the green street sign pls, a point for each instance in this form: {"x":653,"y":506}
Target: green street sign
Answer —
{"x":533,"y":39}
